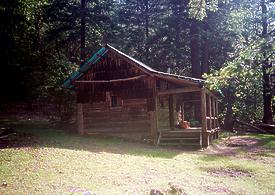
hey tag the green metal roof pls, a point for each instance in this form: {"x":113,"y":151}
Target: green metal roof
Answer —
{"x":104,"y":50}
{"x":85,"y":66}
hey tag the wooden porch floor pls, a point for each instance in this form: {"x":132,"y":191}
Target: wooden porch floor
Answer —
{"x":191,"y":129}
{"x":191,"y":137}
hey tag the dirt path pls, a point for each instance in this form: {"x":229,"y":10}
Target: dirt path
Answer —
{"x":237,"y":146}
{"x":231,"y":145}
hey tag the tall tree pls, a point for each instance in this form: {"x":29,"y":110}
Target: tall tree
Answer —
{"x":82,"y":29}
{"x":266,"y":65}
{"x":243,"y":71}
{"x":195,"y":49}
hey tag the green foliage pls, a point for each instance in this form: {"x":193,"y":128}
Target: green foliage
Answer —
{"x":244,"y":75}
{"x":40,"y":42}
{"x":198,"y":8}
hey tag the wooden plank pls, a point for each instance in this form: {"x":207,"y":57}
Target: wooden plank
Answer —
{"x":156,"y":101}
{"x":182,"y":111}
{"x":80,"y":121}
{"x":132,"y":62}
{"x":153,"y":128}
{"x":135,"y":102}
{"x":113,"y":80}
{"x":122,"y":117}
{"x":114,"y":130}
{"x":205,"y":138}
{"x":177,"y":144}
{"x":214,"y":112}
{"x":154,"y":113}
{"x":182,"y":138}
{"x":118,"y":123}
{"x":116,"y":126}
{"x":210,"y":110}
{"x":188,"y":101}
{"x":217,"y":112}
{"x":179,"y":90}
{"x":208,"y":118}
{"x":171,"y":111}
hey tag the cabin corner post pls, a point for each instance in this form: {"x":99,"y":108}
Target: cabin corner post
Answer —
{"x":205,"y":135}
{"x":153,"y":114}
{"x":153,"y":125}
{"x":79,"y":119}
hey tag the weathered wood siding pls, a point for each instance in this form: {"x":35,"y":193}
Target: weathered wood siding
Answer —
{"x":131,"y":116}
{"x":112,"y":67}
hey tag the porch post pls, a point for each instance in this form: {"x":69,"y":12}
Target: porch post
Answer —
{"x":210,"y":111}
{"x":217,"y":113}
{"x":79,"y":119}
{"x":214,"y":112}
{"x":205,"y":136}
{"x":171,"y":111}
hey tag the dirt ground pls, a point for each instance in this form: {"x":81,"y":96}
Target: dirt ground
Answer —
{"x":41,"y":160}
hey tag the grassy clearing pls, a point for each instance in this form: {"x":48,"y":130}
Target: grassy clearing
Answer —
{"x":50,"y":161}
{"x":268,"y":141}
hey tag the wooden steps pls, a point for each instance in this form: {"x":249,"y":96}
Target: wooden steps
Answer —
{"x":187,"y":137}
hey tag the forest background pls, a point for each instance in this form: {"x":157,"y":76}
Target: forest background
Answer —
{"x":228,"y":42}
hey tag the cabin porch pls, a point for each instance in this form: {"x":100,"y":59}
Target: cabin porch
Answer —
{"x":189,"y":117}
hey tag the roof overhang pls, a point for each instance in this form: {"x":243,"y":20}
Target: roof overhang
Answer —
{"x":178,"y":79}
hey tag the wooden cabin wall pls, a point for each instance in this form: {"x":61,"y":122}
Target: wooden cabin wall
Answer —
{"x":111,"y":67}
{"x":133,"y":97}
{"x":130,"y":113}
{"x":130,"y":117}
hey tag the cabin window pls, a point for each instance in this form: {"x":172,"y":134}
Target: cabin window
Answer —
{"x":114,"y":102}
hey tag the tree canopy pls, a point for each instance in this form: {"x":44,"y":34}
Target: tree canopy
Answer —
{"x":230,"y":42}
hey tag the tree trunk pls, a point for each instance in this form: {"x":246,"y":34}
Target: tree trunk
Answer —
{"x":195,"y":54}
{"x":267,"y":96}
{"x":195,"y":61}
{"x":147,"y":28}
{"x":205,"y":49}
{"x":82,"y":30}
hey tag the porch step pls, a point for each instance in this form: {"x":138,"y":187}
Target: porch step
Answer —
{"x":181,"y":144}
{"x":187,"y":138}
{"x":181,"y":138}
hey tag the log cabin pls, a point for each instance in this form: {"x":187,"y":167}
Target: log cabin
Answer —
{"x":117,"y":94}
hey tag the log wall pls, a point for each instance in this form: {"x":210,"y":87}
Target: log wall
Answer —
{"x":131,"y":116}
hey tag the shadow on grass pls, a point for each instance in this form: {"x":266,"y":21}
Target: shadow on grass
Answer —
{"x":32,"y":134}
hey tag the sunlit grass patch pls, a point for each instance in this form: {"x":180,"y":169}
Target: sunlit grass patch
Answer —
{"x":215,"y":158}
{"x":266,"y":154}
{"x":268,"y":140}
{"x":57,"y":162}
{"x":153,"y":153}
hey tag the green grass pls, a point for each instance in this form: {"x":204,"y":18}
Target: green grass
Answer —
{"x":268,"y":140}
{"x":54,"y":162}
